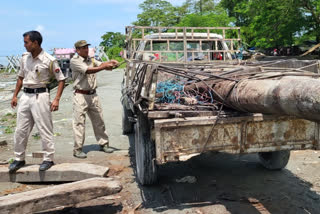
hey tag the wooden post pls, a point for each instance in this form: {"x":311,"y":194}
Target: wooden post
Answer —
{"x":185,"y":44}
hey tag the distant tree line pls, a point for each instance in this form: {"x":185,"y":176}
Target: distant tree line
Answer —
{"x":264,"y":23}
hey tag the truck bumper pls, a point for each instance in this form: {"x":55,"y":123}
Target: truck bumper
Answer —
{"x":179,"y":138}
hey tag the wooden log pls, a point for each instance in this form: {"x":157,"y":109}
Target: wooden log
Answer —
{"x":65,"y":172}
{"x":285,"y":95}
{"x":60,"y":195}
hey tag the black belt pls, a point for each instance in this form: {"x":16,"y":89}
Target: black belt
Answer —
{"x":87,"y":92}
{"x":35,"y":90}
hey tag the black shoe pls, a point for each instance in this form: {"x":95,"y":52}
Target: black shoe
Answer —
{"x":16,"y":165}
{"x":46,"y":165}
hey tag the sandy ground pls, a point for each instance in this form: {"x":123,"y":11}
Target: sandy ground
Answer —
{"x":224,"y":183}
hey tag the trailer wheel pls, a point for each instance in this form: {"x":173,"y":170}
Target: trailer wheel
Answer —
{"x":274,"y":160}
{"x":127,"y":125}
{"x":145,"y":152}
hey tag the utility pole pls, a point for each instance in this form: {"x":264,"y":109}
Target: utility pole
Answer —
{"x":201,"y":7}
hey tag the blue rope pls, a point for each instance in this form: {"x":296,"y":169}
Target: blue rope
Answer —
{"x":171,"y":91}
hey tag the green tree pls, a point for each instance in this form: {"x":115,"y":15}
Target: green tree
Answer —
{"x":276,"y":23}
{"x":267,"y":23}
{"x":191,"y":13}
{"x":311,"y":11}
{"x":114,"y":53}
{"x":114,"y":44}
{"x":111,"y":39}
{"x":200,"y":6}
{"x":217,"y":18}
{"x":239,"y":9}
{"x":157,"y":13}
{"x":181,"y":12}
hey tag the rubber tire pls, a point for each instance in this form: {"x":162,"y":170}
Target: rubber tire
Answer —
{"x":127,"y":125}
{"x":144,"y":152}
{"x":274,"y":160}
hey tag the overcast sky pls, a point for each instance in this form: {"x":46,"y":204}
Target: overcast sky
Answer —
{"x":63,"y":22}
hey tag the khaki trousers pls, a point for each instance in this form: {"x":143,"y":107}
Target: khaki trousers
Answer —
{"x":34,"y":109}
{"x":88,"y":104}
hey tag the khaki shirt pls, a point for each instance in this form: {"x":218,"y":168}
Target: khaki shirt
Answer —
{"x":36,"y":72}
{"x":82,"y":80}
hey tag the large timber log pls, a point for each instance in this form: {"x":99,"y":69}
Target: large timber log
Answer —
{"x":60,"y":195}
{"x":283,"y":95}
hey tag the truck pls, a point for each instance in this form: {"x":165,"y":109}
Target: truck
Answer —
{"x":172,"y":123}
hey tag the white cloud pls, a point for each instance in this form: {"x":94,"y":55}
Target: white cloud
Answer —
{"x":40,"y":28}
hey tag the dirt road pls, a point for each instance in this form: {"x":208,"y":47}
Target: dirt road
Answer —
{"x":223,"y":183}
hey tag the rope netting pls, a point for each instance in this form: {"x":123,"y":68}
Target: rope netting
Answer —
{"x":172,"y":91}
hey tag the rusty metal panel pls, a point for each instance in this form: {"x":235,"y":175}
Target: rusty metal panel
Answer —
{"x":279,"y":133}
{"x":180,"y":137}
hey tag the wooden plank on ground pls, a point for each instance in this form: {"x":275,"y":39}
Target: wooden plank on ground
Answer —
{"x":65,"y":172}
{"x":60,"y":195}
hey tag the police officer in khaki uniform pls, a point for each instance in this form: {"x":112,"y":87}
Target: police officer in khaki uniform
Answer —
{"x":36,"y":69}
{"x":85,"y":100}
